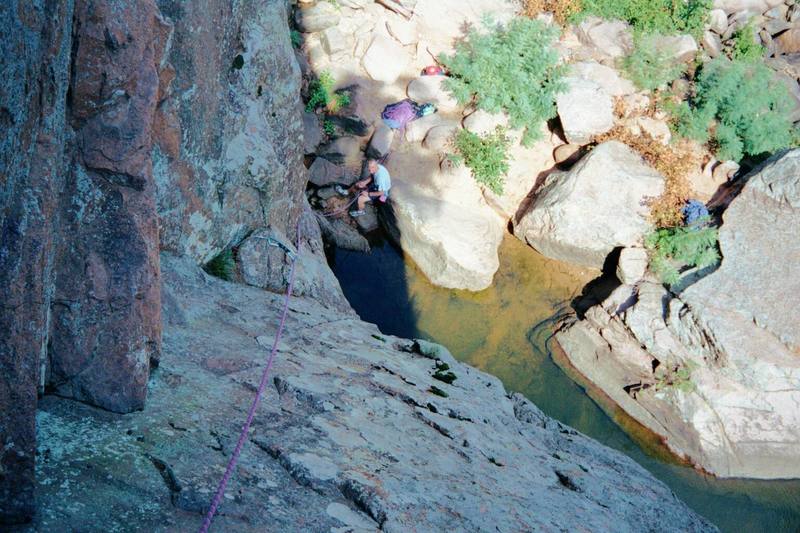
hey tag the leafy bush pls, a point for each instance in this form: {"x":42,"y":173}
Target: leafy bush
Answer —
{"x":659,"y":16}
{"x":674,"y":248}
{"x":740,"y":107}
{"x":328,"y":127}
{"x":321,"y":93}
{"x":649,"y":67}
{"x":746,"y":45}
{"x":486,"y":156}
{"x":221,"y":266}
{"x":511,"y":68}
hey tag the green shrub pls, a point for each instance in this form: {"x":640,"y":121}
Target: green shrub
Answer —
{"x":659,"y":16}
{"x":321,"y":94}
{"x":485,"y":155}
{"x":221,"y":266}
{"x":511,"y":68}
{"x":678,"y":377}
{"x":674,"y":248}
{"x":746,"y":45}
{"x":296,"y":37}
{"x":740,"y":107}
{"x":328,"y":127}
{"x":649,"y":67}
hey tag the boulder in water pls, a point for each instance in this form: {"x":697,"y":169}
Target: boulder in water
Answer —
{"x":580,"y":216}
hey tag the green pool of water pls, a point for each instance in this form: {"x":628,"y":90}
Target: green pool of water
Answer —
{"x":504,"y":330}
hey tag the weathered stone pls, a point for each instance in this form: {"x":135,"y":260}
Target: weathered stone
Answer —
{"x":312,"y":133}
{"x":385,"y":59}
{"x":440,"y":137}
{"x":736,"y":6}
{"x":334,"y":42}
{"x":482,"y":122}
{"x":429,"y":89}
{"x":341,"y":234}
{"x":269,"y":267}
{"x":567,"y":154}
{"x":229,"y":142}
{"x":606,"y":77}
{"x":725,"y":171}
{"x":734,"y":332}
{"x":788,"y":42}
{"x":455,"y":245}
{"x":369,"y":220}
{"x":405,"y":32}
{"x":107,"y":327}
{"x":416,"y":130}
{"x":317,"y":17}
{"x":527,"y":167}
{"x":381,"y":143}
{"x":574,"y":219}
{"x":322,"y":172}
{"x":343,"y":151}
{"x":585,"y":110}
{"x":342,"y":399}
{"x":632,"y":265}
{"x":681,"y":48}
{"x":610,"y":38}
{"x":655,"y":129}
{"x":718,"y":21}
{"x":354,"y":4}
{"x":32,"y":148}
{"x":711,"y":44}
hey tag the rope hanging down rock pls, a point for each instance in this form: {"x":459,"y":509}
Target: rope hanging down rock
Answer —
{"x":251,"y":414}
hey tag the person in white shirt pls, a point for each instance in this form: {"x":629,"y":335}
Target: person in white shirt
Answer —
{"x":373,"y":188}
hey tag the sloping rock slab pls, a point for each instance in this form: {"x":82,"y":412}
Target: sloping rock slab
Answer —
{"x":348,"y":434}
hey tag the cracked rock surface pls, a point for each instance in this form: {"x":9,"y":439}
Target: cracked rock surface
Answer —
{"x":354,"y":433}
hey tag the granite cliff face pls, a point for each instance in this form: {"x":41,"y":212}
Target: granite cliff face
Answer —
{"x":143,"y":138}
{"x":97,"y":98}
{"x":228,"y":156}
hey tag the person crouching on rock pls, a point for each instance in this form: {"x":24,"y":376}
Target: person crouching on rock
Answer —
{"x":374,"y":188}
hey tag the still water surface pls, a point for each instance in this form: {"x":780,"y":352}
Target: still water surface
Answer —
{"x":504,"y":330}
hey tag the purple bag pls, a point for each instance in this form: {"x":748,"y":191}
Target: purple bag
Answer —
{"x":398,"y":114}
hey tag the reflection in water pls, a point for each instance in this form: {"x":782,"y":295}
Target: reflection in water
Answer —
{"x":504,"y":330}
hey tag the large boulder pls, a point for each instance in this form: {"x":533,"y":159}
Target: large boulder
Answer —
{"x":454,"y":244}
{"x":265,"y":265}
{"x":585,"y":110}
{"x":606,"y":77}
{"x":728,"y":346}
{"x":609,"y":38}
{"x":315,"y":18}
{"x":385,"y":59}
{"x":580,"y":216}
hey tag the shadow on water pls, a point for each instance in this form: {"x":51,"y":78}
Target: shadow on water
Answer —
{"x":507,"y":330}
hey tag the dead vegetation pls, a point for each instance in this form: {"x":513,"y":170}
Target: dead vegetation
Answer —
{"x":562,"y":10}
{"x":675,"y":162}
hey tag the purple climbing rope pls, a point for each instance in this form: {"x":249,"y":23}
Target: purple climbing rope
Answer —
{"x":251,"y":414}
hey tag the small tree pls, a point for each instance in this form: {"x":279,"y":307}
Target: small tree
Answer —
{"x":512,"y":69}
{"x":486,"y":156}
{"x":650,"y":67}
{"x":739,"y":106}
{"x":674,"y":248}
